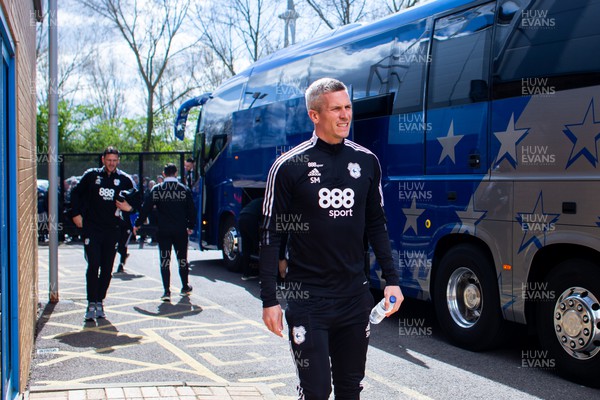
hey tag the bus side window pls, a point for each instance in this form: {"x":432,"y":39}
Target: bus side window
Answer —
{"x":460,"y":58}
{"x":407,"y":67}
{"x":556,"y":42}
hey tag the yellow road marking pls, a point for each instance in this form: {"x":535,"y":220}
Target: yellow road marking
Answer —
{"x":267,"y":378}
{"x":199,"y":368}
{"x":254,"y":358}
{"x":399,"y":388}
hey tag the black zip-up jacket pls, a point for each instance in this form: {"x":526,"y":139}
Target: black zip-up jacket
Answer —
{"x":174,"y":204}
{"x":94,"y":197}
{"x":325,"y":197}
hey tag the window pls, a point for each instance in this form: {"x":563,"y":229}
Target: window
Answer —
{"x":552,"y":43}
{"x":364,"y":65}
{"x":460,"y":57}
{"x":261,"y":88}
{"x":407,"y":67}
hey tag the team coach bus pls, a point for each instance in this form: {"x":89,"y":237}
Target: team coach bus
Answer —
{"x":485,"y":116}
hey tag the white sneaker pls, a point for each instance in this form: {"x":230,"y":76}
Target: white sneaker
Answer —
{"x":90,"y":314}
{"x":100,"y":310}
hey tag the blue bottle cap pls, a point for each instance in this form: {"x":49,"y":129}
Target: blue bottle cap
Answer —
{"x":392,"y":299}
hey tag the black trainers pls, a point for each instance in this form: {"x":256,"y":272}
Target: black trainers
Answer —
{"x":186,"y":290}
{"x":120,"y":269}
{"x":166,"y":297}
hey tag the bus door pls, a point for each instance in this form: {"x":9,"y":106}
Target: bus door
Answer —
{"x":458,"y":93}
{"x":456,"y":148}
{"x":197,"y":188}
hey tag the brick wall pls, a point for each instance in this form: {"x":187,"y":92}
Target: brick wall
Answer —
{"x":20,"y":17}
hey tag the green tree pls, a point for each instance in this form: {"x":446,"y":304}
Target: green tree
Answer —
{"x":71,"y":119}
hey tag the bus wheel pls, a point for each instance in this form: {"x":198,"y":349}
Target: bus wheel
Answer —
{"x":569,"y":326}
{"x":466,"y":299}
{"x":230,"y":238}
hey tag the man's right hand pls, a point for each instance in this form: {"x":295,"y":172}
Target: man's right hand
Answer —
{"x":273,"y":319}
{"x":78,"y":221}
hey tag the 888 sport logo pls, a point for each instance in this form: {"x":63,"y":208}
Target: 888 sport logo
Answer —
{"x":106,"y":194}
{"x":341,"y":200}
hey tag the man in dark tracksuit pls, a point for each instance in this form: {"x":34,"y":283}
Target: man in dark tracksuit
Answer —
{"x":325,"y":194}
{"x":96,"y":210}
{"x":176,"y":216}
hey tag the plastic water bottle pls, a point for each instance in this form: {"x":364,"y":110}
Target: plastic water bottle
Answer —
{"x":378,"y":312}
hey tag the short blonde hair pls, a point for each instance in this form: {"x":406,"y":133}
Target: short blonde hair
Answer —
{"x":318,"y":88}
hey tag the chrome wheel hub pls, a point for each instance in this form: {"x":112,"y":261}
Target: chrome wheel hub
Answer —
{"x":464,"y":295}
{"x":577,"y":322}
{"x":230,"y":244}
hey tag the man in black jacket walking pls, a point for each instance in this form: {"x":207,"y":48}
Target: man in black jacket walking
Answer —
{"x":96,"y":209}
{"x":324,"y":195}
{"x":176,"y":216}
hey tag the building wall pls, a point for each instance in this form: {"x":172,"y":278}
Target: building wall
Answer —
{"x":20,"y":17}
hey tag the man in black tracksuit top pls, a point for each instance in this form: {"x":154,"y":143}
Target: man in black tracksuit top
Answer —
{"x":176,"y":216}
{"x":96,"y":210}
{"x":325,"y":194}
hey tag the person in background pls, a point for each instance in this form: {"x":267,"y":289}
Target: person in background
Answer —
{"x":189,"y":177}
{"x":124,"y":239}
{"x":96,"y":210}
{"x":330,"y":202}
{"x":136,"y":180}
{"x":132,"y":197}
{"x":176,"y":216}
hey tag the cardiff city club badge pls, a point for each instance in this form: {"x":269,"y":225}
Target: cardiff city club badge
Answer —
{"x":354,"y":169}
{"x":299,"y":334}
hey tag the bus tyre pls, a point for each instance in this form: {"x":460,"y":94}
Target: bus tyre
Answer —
{"x":466,"y":299}
{"x":230,"y":238}
{"x":569,"y":326}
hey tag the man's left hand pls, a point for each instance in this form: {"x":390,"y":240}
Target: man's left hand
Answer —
{"x":396,"y":292}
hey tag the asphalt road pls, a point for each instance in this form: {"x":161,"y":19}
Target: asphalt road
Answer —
{"x":217,"y":335}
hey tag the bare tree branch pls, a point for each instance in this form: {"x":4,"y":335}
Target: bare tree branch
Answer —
{"x":239,"y":30}
{"x":149,"y":28}
{"x":108,"y":89}
{"x":320,"y":13}
{"x":216,"y":29}
{"x":74,"y":58}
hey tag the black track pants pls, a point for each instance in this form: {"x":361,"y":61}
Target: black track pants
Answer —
{"x":100,"y":249}
{"x":178,"y":241}
{"x":329,"y":339}
{"x":122,"y":248}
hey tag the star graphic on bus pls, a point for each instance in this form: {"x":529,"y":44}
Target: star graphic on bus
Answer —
{"x":508,"y":142}
{"x":585,"y":137}
{"x":449,"y":143}
{"x":470,"y":214}
{"x":536,"y":225}
{"x":412,"y":214}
